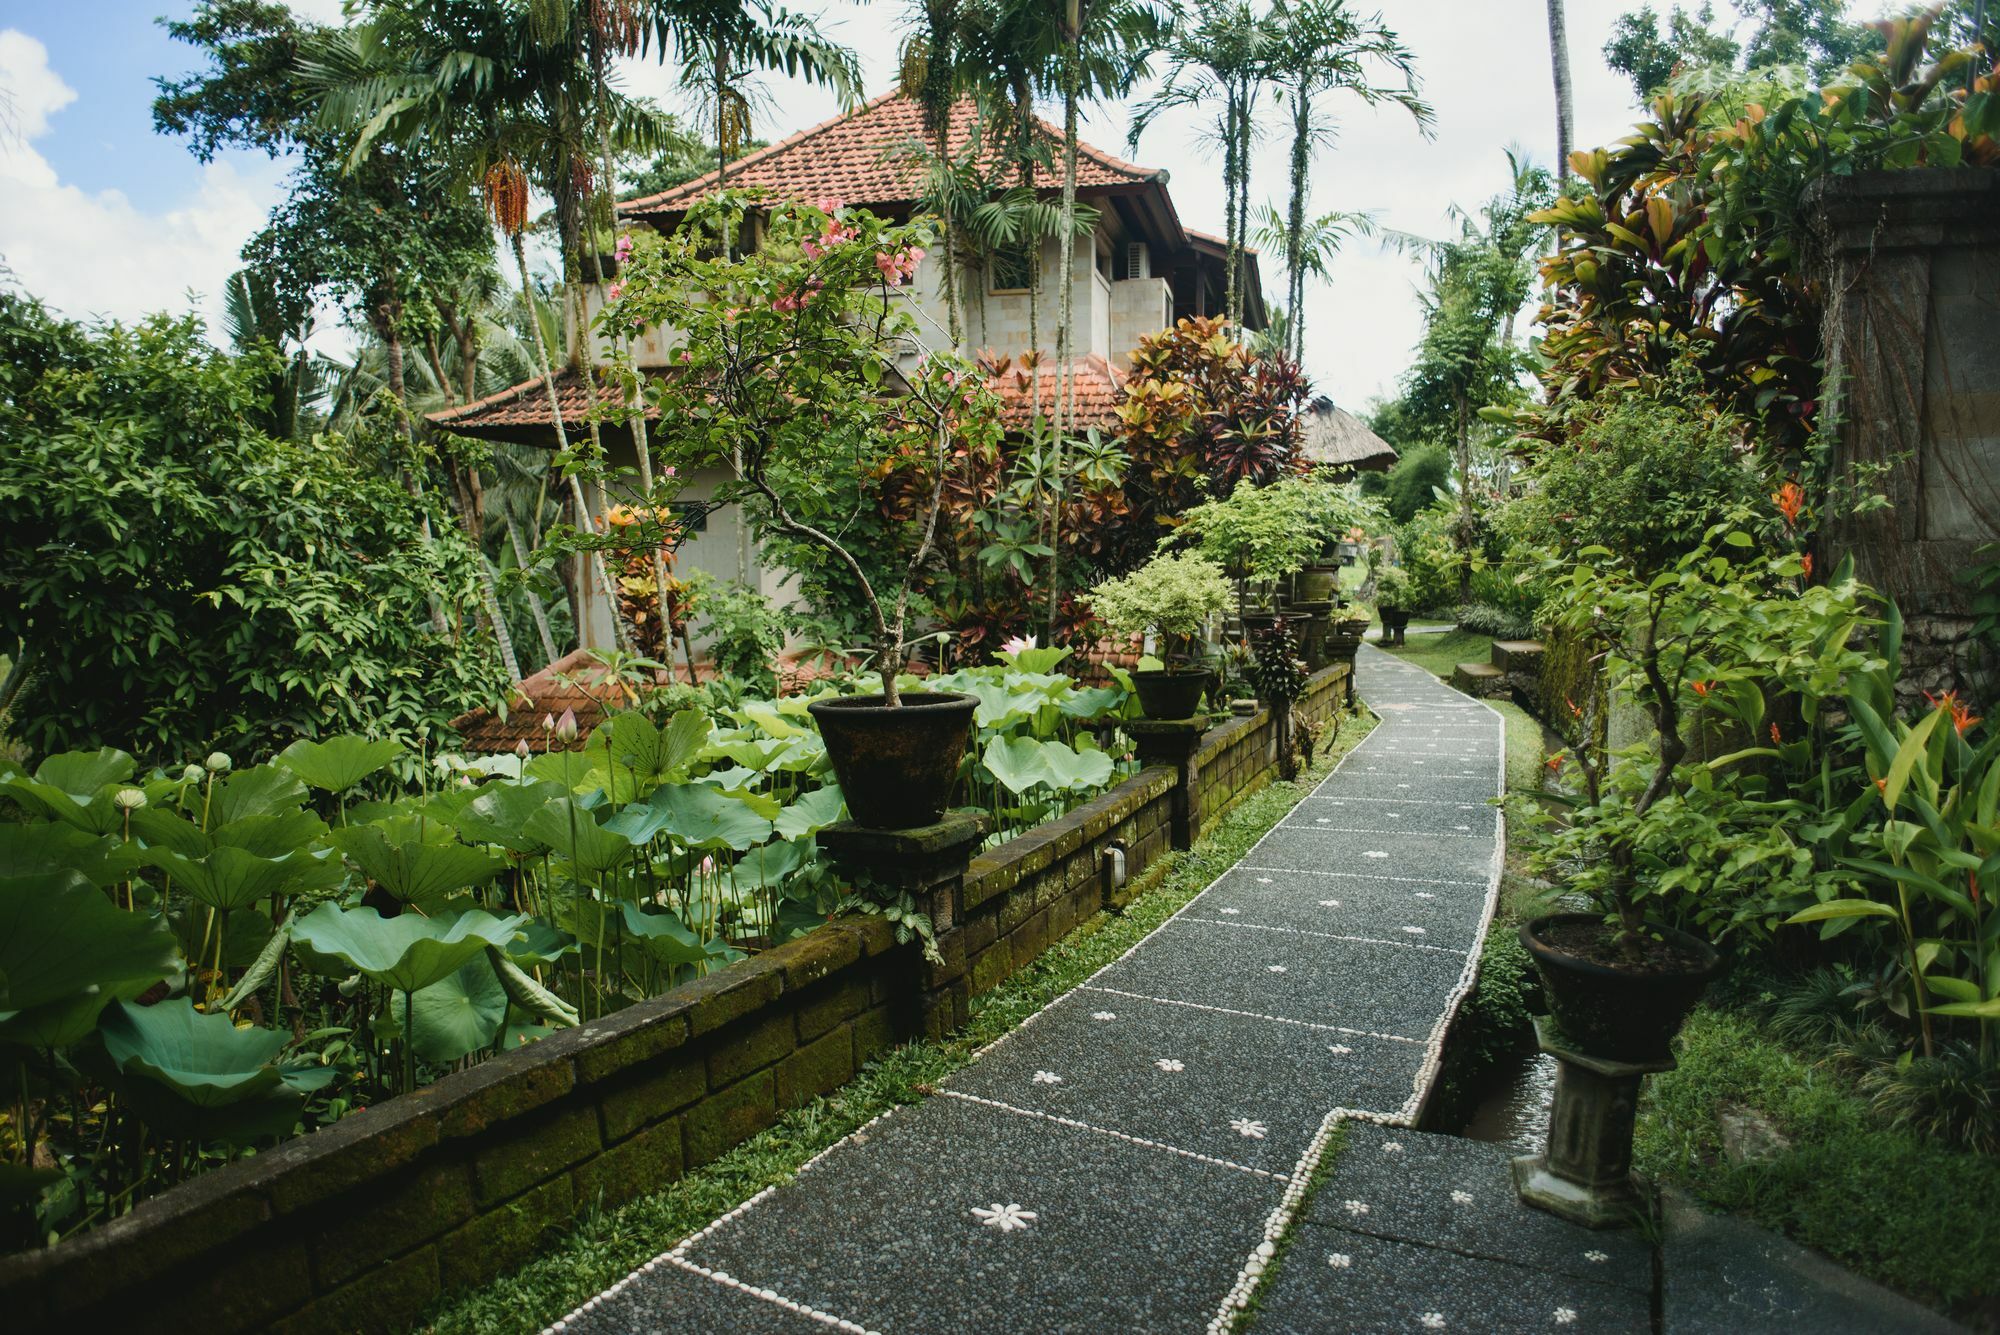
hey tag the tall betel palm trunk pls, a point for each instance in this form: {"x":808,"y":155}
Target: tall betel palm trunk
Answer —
{"x":1565,"y":110}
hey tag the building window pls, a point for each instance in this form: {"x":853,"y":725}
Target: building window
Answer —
{"x":1013,"y":268}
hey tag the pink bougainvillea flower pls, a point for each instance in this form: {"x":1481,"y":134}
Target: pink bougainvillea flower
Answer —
{"x":615,"y":291}
{"x":623,"y":250}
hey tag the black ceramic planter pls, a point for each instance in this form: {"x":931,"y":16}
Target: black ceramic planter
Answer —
{"x":1395,"y":621}
{"x":1171,"y":693}
{"x":1613,"y":1013}
{"x":896,"y":766}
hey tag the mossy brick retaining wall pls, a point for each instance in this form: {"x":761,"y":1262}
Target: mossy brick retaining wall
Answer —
{"x":362,"y":1225}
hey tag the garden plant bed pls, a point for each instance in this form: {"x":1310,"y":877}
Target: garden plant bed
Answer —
{"x":364,"y":1224}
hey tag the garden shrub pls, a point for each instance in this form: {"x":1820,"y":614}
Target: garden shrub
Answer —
{"x":1486,"y":619}
{"x":184,"y":582}
{"x":1425,"y":548}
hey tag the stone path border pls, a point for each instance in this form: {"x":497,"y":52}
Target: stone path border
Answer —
{"x":1130,"y":1155}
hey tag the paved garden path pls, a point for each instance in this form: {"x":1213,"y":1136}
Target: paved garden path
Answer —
{"x":1125,"y":1160}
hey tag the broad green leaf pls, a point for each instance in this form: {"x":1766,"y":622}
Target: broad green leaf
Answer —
{"x":338,"y":763}
{"x":769,"y":864}
{"x":43,"y":848}
{"x":703,"y":817}
{"x":1019,"y":763}
{"x":262,"y":967}
{"x":500,"y":815}
{"x":83,"y":774}
{"x":1907,"y":755}
{"x":458,"y":1015}
{"x":417,"y":866}
{"x":662,"y":935}
{"x":66,"y":952}
{"x":408,"y":952}
{"x":231,"y":878}
{"x":196,"y":1076}
{"x":1841,"y":908}
{"x":1978,"y":1010}
{"x":254,"y":792}
{"x":1955,"y":989}
{"x":1075,"y":770}
{"x":528,"y":994}
{"x":574,"y":832}
{"x":811,"y":813}
{"x":271,"y":835}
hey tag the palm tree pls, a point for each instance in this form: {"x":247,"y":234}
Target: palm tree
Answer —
{"x":1223,"y":57}
{"x":1565,"y":111}
{"x":1320,"y":48}
{"x":1308,"y":248}
{"x":930,"y":75}
{"x":519,"y":94}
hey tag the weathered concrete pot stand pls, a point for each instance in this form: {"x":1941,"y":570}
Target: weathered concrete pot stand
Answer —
{"x":1585,"y":1174}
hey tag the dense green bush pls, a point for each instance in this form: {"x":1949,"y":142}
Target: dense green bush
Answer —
{"x":1501,"y":624}
{"x":1645,"y":472}
{"x":181,"y":581}
{"x":1424,"y":548}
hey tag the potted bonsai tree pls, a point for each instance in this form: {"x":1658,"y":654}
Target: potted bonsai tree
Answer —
{"x":1260,"y":535}
{"x":1392,"y":586}
{"x":1711,"y":636}
{"x":804,"y":391}
{"x":1172,"y":598}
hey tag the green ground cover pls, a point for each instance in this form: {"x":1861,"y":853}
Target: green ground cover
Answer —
{"x":607,"y":1245}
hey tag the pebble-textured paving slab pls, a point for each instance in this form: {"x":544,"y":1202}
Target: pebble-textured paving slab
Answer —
{"x":1122,"y":1161}
{"x":1336,"y":1281}
{"x":667,"y":1299}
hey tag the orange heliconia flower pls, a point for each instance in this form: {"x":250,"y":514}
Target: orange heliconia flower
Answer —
{"x":1962,"y":716}
{"x":1777,"y":738}
{"x":1805,"y":565}
{"x":1702,"y":688}
{"x":1790,"y":499}
{"x":1572,"y":707}
{"x":1555,"y":762}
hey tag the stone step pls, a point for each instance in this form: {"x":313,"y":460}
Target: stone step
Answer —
{"x":1479,"y":679}
{"x":1523,"y":656}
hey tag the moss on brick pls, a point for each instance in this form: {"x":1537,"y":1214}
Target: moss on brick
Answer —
{"x":730,"y":1116}
{"x":819,"y":1067}
{"x":834,"y":1001}
{"x":503,"y":1237}
{"x":733,"y":993}
{"x":631,"y":1168}
{"x":634,"y":1036}
{"x":557,"y":1141}
{"x":390,"y":1297}
{"x":390,"y":1220}
{"x":637,"y":1101}
{"x":749,"y":1048}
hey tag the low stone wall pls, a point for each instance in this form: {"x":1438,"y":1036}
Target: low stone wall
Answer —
{"x":362,"y":1225}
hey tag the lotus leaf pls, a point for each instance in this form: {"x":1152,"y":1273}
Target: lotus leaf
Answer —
{"x":811,"y":813}
{"x":271,"y":834}
{"x":418,"y":863}
{"x":458,"y":1015}
{"x":1092,"y":702}
{"x":663,"y":936}
{"x":651,"y":753}
{"x":200,"y":1077}
{"x":338,"y":763}
{"x":231,"y":878}
{"x":769,"y":864}
{"x":499,"y":814}
{"x":44,"y":847}
{"x":573,"y":831}
{"x":65,"y":952}
{"x":83,"y":774}
{"x":256,"y":791}
{"x":408,"y":952}
{"x":572,"y":771}
{"x":1019,"y":763}
{"x":1076,"y":769}
{"x":703,"y":817}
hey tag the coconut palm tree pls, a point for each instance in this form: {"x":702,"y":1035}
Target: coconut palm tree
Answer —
{"x":1308,"y":247}
{"x":1222,"y":59}
{"x":1320,"y":48}
{"x":1559,"y":63}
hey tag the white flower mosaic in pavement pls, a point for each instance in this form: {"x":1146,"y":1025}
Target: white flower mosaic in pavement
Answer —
{"x":1006,"y":1218}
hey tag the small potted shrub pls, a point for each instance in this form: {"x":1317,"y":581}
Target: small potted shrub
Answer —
{"x":1704,"y":642}
{"x":797,"y":368}
{"x":1392,"y":586}
{"x":1173,"y":597}
{"x":1262,"y":536}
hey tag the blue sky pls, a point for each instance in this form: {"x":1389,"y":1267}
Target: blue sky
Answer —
{"x":100,"y":216}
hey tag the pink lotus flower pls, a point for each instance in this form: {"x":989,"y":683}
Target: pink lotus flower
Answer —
{"x":1017,"y":644}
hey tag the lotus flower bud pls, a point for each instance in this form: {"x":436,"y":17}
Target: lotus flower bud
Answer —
{"x":217,"y":762}
{"x":566,"y":726}
{"x":548,"y":723}
{"x":129,"y":799}
{"x":190,"y":774}
{"x":521,"y":749}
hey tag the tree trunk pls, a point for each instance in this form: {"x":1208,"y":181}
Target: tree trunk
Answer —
{"x":1463,"y":451}
{"x":1295,"y":220}
{"x":1230,"y":179}
{"x":595,"y":559}
{"x":521,"y":556}
{"x":1072,"y":58}
{"x":1565,"y":111}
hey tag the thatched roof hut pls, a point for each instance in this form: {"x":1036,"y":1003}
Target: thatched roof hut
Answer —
{"x":1336,"y":438}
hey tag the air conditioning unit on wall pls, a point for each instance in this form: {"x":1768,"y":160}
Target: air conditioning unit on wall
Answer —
{"x":1138,"y":260}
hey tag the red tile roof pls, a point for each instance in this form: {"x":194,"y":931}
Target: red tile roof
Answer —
{"x":526,"y":405}
{"x":851,"y":158}
{"x":575,"y":682}
{"x":1099,"y":389}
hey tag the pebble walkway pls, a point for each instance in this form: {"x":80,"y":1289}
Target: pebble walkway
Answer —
{"x":1127,"y":1159}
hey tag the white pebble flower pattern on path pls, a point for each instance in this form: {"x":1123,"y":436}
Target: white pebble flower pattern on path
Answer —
{"x":1461,"y":1197}
{"x":1006,"y":1218}
{"x":1246,"y":1128}
{"x":1565,"y":1316}
{"x":1340,"y":1261}
{"x":1433,"y":1320}
{"x":1170,"y":1064}
{"x":1103,"y":1015}
{"x":1047,"y":1078}
{"x":1356,"y":1208}
{"x":1374,"y":853}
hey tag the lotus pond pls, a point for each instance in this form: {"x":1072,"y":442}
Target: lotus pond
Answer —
{"x":200,"y":962}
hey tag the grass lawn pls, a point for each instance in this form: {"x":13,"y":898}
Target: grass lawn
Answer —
{"x":1902,"y":1209}
{"x":1438,"y":652}
{"x":606,"y":1246}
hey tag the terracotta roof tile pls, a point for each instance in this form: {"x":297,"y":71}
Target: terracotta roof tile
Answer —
{"x":1099,"y":391}
{"x":526,"y":405}
{"x":851,"y":158}
{"x":575,"y":681}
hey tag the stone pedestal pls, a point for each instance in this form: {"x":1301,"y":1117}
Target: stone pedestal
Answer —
{"x":1585,"y":1175}
{"x":1173,"y":742}
{"x":928,"y":863}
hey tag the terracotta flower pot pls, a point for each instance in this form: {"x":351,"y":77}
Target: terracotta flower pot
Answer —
{"x":1617,"y":1011}
{"x":896,"y":766}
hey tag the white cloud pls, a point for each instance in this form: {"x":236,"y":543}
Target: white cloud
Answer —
{"x":95,"y":254}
